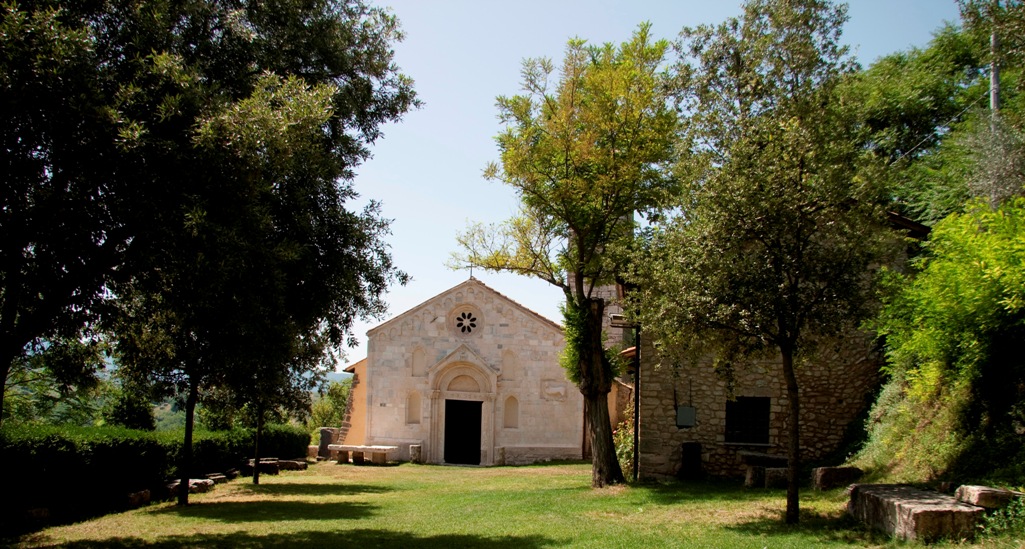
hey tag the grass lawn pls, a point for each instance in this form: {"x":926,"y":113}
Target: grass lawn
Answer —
{"x":408,"y":505}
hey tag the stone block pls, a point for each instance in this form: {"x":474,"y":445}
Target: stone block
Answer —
{"x":217,"y":478}
{"x":908,"y":513}
{"x":138,"y":499}
{"x":827,"y":478}
{"x":416,"y":453}
{"x":196,"y":486}
{"x":775,"y":477}
{"x":292,"y":464}
{"x":755,"y":477}
{"x":984,"y":496}
{"x":357,"y":458}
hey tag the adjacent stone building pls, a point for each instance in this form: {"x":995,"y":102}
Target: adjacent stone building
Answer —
{"x":473,"y":378}
{"x":718,"y":436}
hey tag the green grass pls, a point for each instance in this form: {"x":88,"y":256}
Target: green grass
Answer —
{"x":447,"y":507}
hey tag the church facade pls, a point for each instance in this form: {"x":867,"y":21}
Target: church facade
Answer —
{"x":470,"y":376}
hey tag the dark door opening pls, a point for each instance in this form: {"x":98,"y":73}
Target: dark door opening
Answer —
{"x":462,"y":431}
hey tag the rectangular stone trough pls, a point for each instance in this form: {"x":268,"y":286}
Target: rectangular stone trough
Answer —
{"x":909,"y":513}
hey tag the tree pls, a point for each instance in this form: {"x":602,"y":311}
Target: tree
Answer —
{"x":245,"y":124}
{"x":59,"y":238}
{"x":775,"y":240}
{"x":584,"y":152}
{"x":56,"y":382}
{"x":329,"y":409}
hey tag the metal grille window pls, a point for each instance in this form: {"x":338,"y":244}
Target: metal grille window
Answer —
{"x":747,"y":420}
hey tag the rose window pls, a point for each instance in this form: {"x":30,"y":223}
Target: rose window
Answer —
{"x":466,"y":322}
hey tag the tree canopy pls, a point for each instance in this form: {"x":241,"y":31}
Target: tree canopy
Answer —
{"x":198,"y":158}
{"x":777,"y":231}
{"x":585,"y":148}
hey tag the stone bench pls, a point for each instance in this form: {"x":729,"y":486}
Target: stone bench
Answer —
{"x":378,"y":454}
{"x":908,"y":513}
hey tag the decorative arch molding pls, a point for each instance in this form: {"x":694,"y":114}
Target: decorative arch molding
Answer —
{"x":447,"y":378}
{"x":454,"y":379}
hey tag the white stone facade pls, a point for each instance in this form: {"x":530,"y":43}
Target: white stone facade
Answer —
{"x":471,"y":351}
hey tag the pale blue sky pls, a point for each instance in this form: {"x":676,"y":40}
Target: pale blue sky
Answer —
{"x":464,"y":53}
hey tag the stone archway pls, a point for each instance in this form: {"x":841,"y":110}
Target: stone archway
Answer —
{"x":468,"y":390}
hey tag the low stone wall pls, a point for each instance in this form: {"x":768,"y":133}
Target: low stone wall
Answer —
{"x":525,"y":455}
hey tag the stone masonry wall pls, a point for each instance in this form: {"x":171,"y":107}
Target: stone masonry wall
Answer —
{"x":834,"y":390}
{"x":510,"y":351}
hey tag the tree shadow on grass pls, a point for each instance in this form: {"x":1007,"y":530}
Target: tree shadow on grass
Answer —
{"x":275,"y":511}
{"x":813,"y":526}
{"x":696,"y":491}
{"x":343,"y":538}
{"x":314,"y":489}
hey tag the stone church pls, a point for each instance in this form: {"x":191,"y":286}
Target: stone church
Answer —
{"x":470,"y":376}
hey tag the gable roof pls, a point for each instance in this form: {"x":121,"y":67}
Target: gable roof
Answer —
{"x":471,"y":282}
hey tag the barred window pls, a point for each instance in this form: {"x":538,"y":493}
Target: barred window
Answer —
{"x":747,"y":420}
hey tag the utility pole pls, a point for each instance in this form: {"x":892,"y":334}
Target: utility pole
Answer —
{"x":994,"y":64}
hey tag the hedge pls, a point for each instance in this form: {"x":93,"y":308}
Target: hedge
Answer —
{"x":78,"y":471}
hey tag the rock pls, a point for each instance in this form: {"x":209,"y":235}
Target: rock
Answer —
{"x":196,"y":486}
{"x":217,"y":478}
{"x":755,"y":477}
{"x":984,"y":496}
{"x":266,"y":467}
{"x":138,"y":499}
{"x":908,"y":513}
{"x":232,"y":474}
{"x":292,"y":465}
{"x":415,"y":453}
{"x":312,"y":450}
{"x":327,"y":436}
{"x":775,"y":477}
{"x":37,"y":513}
{"x":827,"y":478}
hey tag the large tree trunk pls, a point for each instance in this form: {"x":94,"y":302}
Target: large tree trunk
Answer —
{"x":595,"y":384}
{"x":794,"y":446}
{"x":605,"y":468}
{"x":185,"y":461}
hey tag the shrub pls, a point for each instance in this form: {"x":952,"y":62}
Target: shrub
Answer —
{"x":623,"y":436}
{"x":284,"y":441}
{"x":955,"y":402}
{"x":80,"y":471}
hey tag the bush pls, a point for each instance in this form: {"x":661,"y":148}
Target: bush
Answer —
{"x":954,"y":405}
{"x":623,"y":436}
{"x":284,"y":441}
{"x":80,"y":471}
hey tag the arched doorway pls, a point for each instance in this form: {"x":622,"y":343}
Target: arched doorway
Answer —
{"x":462,"y":422}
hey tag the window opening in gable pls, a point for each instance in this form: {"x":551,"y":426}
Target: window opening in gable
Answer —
{"x":466,"y":322}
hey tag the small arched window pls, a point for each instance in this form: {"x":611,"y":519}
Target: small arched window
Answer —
{"x":512,"y":413}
